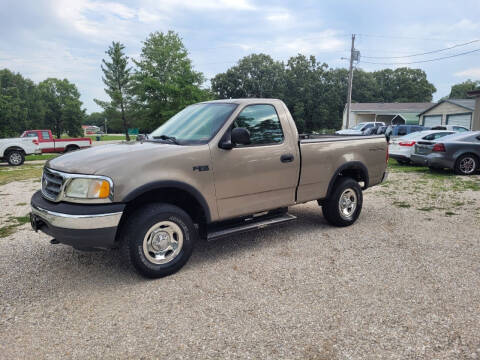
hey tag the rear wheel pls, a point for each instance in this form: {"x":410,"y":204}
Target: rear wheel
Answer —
{"x":466,"y":165}
{"x":159,"y":239}
{"x":71,"y":148}
{"x":15,"y":157}
{"x":344,"y":204}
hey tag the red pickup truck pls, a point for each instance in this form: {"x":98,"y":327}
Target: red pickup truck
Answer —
{"x":50,"y":145}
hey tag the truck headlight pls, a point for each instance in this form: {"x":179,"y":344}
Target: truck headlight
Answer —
{"x":88,"y":188}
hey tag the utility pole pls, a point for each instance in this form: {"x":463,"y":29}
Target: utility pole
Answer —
{"x":350,"y":81}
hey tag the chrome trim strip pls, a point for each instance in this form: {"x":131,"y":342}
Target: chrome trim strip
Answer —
{"x":83,"y":222}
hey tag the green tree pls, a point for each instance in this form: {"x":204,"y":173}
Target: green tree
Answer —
{"x":164,"y":81}
{"x":256,"y":75}
{"x":63,"y":112}
{"x":117,"y":79}
{"x":459,"y":91}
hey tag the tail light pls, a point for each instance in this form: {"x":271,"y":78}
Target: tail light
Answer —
{"x":439,"y":147}
{"x":35,"y":142}
{"x":406,"y":143}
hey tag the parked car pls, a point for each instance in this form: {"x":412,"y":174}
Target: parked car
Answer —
{"x":460,"y":152}
{"x":402,"y":148}
{"x":370,"y":131}
{"x":14,"y":150}
{"x":216,"y":168}
{"x":48,"y":144}
{"x":394,"y":131}
{"x":455,"y":128}
{"x":360,"y":128}
{"x":381,"y":130}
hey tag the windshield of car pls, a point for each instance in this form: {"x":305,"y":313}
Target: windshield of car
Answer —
{"x":358,"y":127}
{"x":196,"y":124}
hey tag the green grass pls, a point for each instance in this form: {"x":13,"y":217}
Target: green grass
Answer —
{"x":21,"y":204}
{"x":401,"y":204}
{"x":9,"y":174}
{"x":13,"y":223}
{"x":111,"y":137}
{"x":40,"y":157}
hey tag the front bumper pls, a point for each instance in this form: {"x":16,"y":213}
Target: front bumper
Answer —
{"x":433,"y":160}
{"x":78,"y":225}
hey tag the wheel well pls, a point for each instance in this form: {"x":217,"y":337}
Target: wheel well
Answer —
{"x":72,"y":146}
{"x":11,"y":148}
{"x":356,"y":171}
{"x":174,"y":196}
{"x":468,"y":153}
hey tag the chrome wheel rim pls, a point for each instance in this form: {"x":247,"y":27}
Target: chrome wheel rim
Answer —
{"x":467,"y":165}
{"x":348,"y":203}
{"x":163,"y":242}
{"x":15,"y":158}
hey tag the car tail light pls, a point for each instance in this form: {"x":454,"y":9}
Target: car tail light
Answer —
{"x":406,"y":143}
{"x":35,"y":142}
{"x":439,"y":147}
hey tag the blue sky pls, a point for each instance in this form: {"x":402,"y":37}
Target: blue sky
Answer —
{"x":68,"y":39}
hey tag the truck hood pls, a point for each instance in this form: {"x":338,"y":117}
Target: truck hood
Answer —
{"x":108,"y":159}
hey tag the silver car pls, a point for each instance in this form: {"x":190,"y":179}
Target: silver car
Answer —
{"x":460,"y":152}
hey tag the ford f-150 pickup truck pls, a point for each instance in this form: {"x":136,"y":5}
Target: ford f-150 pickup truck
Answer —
{"x":214,"y":169}
{"x":13,"y":150}
{"x":48,"y":144}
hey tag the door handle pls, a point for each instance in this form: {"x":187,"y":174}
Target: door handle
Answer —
{"x":285,"y":158}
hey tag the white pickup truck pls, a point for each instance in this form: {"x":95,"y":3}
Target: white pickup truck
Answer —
{"x":14,"y":150}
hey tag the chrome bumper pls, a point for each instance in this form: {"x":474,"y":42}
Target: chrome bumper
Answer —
{"x":78,"y":222}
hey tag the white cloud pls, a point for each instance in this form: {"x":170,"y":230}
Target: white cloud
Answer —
{"x":279,"y":17}
{"x":472,"y":73}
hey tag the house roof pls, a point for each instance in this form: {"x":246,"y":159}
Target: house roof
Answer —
{"x":410,"y":118}
{"x":474,"y":92}
{"x":390,"y":107}
{"x":468,"y":104}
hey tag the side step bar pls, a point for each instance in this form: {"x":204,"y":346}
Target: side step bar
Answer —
{"x":249,"y":225}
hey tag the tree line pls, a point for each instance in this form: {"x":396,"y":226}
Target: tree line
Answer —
{"x":145,"y":92}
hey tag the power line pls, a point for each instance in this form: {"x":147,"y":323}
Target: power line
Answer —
{"x":423,"y":61}
{"x":420,"y":54}
{"x":407,"y":37}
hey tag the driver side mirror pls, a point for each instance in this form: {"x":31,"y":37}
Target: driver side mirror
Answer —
{"x":240,"y":136}
{"x":236,"y":136}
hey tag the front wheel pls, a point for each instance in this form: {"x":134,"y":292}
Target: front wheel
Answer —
{"x":343,"y":206}
{"x":15,"y":157}
{"x":159,"y":239}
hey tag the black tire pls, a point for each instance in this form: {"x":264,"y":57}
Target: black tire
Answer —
{"x":15,"y":157}
{"x":331,"y":206}
{"x":71,"y":148}
{"x":403,"y":162}
{"x":141,"y":222}
{"x":460,"y":167}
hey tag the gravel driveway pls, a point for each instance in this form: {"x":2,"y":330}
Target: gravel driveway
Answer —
{"x":401,"y":283}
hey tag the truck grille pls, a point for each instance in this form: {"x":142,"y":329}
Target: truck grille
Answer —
{"x":51,"y":184}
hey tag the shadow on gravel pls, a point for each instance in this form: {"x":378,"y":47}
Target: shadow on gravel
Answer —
{"x":63,"y":269}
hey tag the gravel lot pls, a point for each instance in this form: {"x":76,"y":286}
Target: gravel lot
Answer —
{"x":403,"y":282}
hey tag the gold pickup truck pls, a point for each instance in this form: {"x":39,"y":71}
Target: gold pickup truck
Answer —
{"x":214,"y":169}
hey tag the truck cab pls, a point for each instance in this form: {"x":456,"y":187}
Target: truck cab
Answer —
{"x":48,"y":144}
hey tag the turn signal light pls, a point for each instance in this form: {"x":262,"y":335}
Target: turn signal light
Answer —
{"x":35,"y":142}
{"x":439,"y":147}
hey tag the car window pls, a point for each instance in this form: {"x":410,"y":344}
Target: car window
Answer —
{"x":368,"y":126}
{"x":31,"y":134}
{"x":45,"y":135}
{"x":263,"y":124}
{"x":402,"y":130}
{"x":460,"y":129}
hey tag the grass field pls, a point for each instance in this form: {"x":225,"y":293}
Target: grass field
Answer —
{"x":111,"y":137}
{"x":40,"y":157}
{"x":18,"y":173}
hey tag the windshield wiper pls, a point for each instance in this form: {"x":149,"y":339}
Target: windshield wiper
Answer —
{"x":173,"y":139}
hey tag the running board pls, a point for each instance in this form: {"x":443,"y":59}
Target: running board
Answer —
{"x":249,"y":225}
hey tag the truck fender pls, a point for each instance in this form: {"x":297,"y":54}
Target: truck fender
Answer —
{"x":158,"y":185}
{"x":355,"y":167}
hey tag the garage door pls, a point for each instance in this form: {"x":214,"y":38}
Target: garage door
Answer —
{"x":432,"y":120}
{"x":460,"y":120}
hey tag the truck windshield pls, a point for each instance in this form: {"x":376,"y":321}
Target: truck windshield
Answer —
{"x":196,"y":124}
{"x":358,"y":127}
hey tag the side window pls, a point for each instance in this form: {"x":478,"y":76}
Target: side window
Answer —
{"x":368,"y":126}
{"x":31,"y":134}
{"x":439,"y":135}
{"x":263,"y":124}
{"x":459,"y":129}
{"x":45,"y":135}
{"x":402,"y":130}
